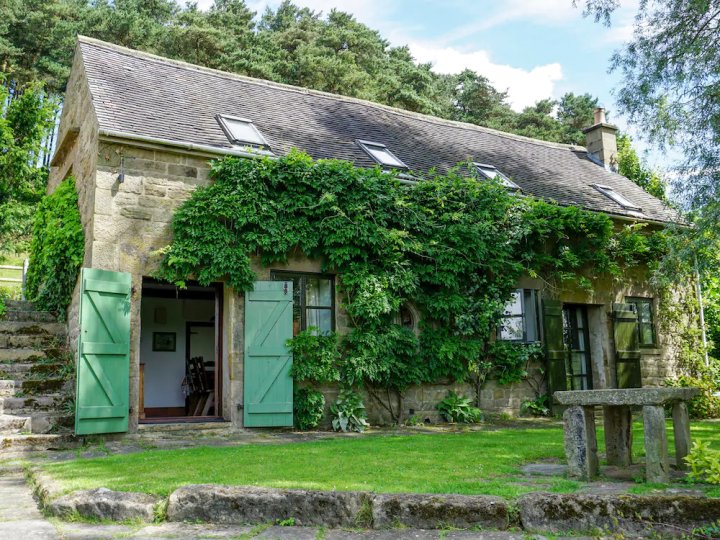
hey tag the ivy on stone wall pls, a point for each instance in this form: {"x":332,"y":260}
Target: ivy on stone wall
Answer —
{"x":453,"y":244}
{"x":57,"y":250}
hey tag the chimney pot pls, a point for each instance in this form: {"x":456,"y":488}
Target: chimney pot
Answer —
{"x":599,"y":115}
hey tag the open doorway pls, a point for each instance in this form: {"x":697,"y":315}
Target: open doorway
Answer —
{"x":180,"y":353}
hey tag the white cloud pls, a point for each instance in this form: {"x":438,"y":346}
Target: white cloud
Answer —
{"x":524,"y":87}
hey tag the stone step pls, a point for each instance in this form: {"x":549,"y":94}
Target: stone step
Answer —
{"x":30,"y":405}
{"x":29,"y":316}
{"x":20,"y":305}
{"x":40,"y":341}
{"x":14,"y":424}
{"x":32,"y":328}
{"x":32,"y":387}
{"x":18,"y":445}
{"x":29,"y":370}
{"x":21,"y":355}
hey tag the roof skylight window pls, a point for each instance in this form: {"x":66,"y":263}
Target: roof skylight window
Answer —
{"x":490,"y":172}
{"x":623,"y":201}
{"x":242,"y":132}
{"x":380,"y":153}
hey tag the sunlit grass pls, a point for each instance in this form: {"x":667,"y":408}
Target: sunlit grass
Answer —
{"x":482,"y":462}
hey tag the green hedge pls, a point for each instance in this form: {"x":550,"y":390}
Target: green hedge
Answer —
{"x":57,"y":250}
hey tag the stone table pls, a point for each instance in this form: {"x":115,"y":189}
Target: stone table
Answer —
{"x":581,"y":439}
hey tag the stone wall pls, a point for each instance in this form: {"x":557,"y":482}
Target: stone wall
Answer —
{"x":127,"y":223}
{"x":76,"y":156}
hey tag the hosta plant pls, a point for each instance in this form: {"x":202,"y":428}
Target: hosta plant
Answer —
{"x":348,"y":412}
{"x":455,"y":408}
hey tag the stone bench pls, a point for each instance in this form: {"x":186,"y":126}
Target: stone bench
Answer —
{"x":581,"y":439}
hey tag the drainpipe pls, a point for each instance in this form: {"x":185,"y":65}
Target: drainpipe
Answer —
{"x":698,"y":292}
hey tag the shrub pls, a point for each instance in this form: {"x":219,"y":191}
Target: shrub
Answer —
{"x":308,"y":406}
{"x":704,"y":405}
{"x":704,"y":463}
{"x":455,"y":408}
{"x":348,"y":412}
{"x":536,"y":407}
{"x":315,"y":357}
{"x":57,"y":250}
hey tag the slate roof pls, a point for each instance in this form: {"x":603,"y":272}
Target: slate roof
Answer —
{"x":147,"y":95}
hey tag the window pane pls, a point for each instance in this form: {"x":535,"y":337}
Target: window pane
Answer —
{"x":318,"y":292}
{"x":512,"y":328}
{"x":532,"y":329}
{"x":384,"y":156}
{"x":321,"y":319}
{"x":644,"y":309}
{"x":244,"y":131}
{"x":646,"y":334}
{"x":579,"y":366}
{"x":514,"y":305}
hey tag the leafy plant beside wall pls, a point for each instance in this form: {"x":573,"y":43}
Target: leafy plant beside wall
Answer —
{"x":57,"y":250}
{"x":451,"y":243}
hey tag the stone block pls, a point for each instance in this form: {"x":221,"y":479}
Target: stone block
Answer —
{"x":154,"y":189}
{"x":136,"y":213}
{"x":555,"y":513}
{"x":237,"y":504}
{"x":145,"y":165}
{"x":104,"y":255}
{"x":106,"y":179}
{"x":581,"y":442}
{"x":657,"y":467}
{"x":103,"y":202}
{"x":618,"y":435}
{"x":104,"y":504}
{"x":182,"y":170}
{"x":681,"y":430}
{"x":439,"y":511}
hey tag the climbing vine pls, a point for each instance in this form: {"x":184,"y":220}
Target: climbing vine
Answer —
{"x":57,"y":249}
{"x":452,"y":244}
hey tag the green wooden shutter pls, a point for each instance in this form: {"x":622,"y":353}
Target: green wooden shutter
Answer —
{"x":627,"y":348}
{"x":554,"y":345}
{"x":103,"y":369}
{"x":268,"y":386}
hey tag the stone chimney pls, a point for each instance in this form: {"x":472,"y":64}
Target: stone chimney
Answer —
{"x":601,"y":142}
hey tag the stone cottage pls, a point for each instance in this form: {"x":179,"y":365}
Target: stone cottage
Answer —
{"x":137,"y":133}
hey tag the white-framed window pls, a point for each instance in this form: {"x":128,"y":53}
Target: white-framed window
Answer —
{"x":382,"y":155}
{"x":619,"y":198}
{"x":491,"y":172}
{"x":242,"y":132}
{"x":522,"y":318}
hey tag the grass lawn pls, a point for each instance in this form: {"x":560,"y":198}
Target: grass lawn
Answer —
{"x":480,"y":462}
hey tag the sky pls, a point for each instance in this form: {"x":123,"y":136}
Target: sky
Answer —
{"x":533,"y":49}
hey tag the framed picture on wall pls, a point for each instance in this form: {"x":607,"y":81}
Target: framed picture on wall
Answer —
{"x":164,"y":341}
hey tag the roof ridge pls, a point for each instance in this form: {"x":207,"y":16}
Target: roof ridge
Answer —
{"x":337,"y":97}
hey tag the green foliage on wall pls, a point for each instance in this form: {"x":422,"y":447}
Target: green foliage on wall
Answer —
{"x":454,"y":245}
{"x":57,"y":250}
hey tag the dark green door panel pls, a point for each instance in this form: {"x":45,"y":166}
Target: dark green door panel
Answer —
{"x":627,"y":347}
{"x":103,"y":368}
{"x":554,"y":345}
{"x":268,"y":386}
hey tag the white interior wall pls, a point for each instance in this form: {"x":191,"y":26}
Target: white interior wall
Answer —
{"x":164,"y":371}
